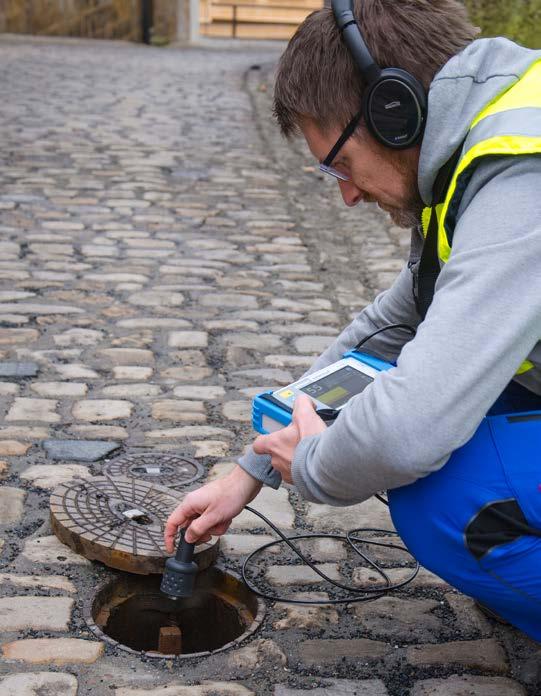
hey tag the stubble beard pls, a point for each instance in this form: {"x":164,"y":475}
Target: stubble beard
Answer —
{"x":409,"y":215}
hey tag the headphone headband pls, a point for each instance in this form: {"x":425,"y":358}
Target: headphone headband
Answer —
{"x":347,"y":24}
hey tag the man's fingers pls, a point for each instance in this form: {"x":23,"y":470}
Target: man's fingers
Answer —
{"x":170,"y":535}
{"x":266,"y":444}
{"x":261,"y":444}
{"x":180,"y":517}
{"x":219,"y":529}
{"x":171,"y":530}
{"x":303,"y":404}
{"x":201,"y":526}
{"x":305,"y":418}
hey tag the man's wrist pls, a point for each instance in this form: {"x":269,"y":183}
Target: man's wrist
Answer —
{"x":259,"y":466}
{"x":238,"y":476}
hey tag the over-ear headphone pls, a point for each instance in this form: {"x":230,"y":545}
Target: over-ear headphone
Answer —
{"x":394,"y":102}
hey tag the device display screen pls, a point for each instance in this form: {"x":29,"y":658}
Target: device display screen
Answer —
{"x":336,"y":389}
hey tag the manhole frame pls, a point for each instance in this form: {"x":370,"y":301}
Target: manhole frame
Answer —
{"x":87,"y":607}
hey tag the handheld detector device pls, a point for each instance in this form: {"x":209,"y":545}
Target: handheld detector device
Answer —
{"x":329,"y":388}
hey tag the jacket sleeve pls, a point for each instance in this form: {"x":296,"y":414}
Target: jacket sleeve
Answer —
{"x":484,"y":321}
{"x":393,"y":306}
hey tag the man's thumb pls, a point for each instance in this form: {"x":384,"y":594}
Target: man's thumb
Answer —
{"x":303,"y":404}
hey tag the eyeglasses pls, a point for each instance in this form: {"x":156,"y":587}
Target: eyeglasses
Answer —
{"x":326,"y":165}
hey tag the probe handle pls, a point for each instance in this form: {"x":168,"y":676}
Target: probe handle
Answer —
{"x":185,"y":550}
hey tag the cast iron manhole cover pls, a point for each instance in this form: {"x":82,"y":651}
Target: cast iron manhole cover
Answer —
{"x":119,"y":522}
{"x":171,"y":470}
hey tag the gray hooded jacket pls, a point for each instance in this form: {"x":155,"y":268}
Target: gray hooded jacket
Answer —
{"x":485,"y":319}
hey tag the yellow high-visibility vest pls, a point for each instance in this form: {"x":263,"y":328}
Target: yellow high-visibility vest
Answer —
{"x":509,"y":125}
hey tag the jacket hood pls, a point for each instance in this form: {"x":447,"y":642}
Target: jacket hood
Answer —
{"x":462,"y":88}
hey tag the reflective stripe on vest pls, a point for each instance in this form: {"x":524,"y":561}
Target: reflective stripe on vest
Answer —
{"x":509,"y":125}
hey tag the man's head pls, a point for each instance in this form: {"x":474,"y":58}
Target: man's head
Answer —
{"x":319,"y":90}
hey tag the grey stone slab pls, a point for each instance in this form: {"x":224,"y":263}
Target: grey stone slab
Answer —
{"x":38,"y":613}
{"x":256,"y":654}
{"x":486,"y":655}
{"x":337,"y":687}
{"x":336,"y":651}
{"x":468,"y":616}
{"x":11,"y":505}
{"x":371,"y":513}
{"x":301,"y":574}
{"x":243,"y":544}
{"x":273,"y":504}
{"x":54,"y":651}
{"x":39,"y":684}
{"x":397,"y":619}
{"x":18,"y":370}
{"x":79,"y":450}
{"x":315,"y":616}
{"x":468,"y":685}
{"x":52,"y":475}
{"x":209,"y":688}
{"x":54,"y":582}
{"x":49,"y":550}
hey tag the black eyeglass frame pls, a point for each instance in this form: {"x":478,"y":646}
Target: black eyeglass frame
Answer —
{"x":326,"y":165}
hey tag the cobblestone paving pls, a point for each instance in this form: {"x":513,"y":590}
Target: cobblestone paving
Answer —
{"x":163,"y":256}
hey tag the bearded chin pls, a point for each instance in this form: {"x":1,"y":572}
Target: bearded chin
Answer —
{"x":406,"y":218}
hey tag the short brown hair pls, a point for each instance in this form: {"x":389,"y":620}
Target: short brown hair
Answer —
{"x":318,"y":79}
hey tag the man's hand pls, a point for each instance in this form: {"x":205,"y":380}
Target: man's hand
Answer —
{"x":210,"y":510}
{"x":282,"y":444}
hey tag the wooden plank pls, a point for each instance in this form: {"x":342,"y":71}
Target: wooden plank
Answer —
{"x":295,"y":4}
{"x":217,"y":30}
{"x":254,"y":19}
{"x":256,"y":15}
{"x":265,"y":31}
{"x":222,"y":14}
{"x":280,"y":32}
{"x":170,"y":642}
{"x":205,"y":11}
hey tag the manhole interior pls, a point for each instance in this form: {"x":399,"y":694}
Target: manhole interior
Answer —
{"x":133,"y":614}
{"x":171,"y":470}
{"x":120,"y":522}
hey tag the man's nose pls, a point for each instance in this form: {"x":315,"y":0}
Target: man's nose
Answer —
{"x":350,"y":193}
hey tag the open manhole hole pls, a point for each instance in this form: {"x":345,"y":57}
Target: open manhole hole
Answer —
{"x":120,"y":522}
{"x":131,"y":613}
{"x":171,"y":470}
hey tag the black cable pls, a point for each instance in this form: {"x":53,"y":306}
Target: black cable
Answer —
{"x":350,"y":538}
{"x":385,"y":328}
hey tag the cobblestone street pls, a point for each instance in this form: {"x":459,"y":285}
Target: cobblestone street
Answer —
{"x":164,"y":256}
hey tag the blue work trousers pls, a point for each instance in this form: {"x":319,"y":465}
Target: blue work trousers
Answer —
{"x":477,"y":521}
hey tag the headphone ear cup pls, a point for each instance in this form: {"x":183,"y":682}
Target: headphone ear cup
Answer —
{"x":395,"y":109}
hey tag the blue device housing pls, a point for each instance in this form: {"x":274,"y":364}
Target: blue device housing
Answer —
{"x":262,"y":407}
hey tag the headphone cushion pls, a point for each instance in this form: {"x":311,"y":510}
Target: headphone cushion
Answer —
{"x":395,"y":108}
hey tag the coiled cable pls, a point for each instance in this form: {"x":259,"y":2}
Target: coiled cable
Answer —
{"x":369,"y":593}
